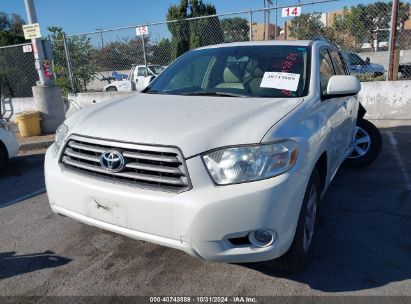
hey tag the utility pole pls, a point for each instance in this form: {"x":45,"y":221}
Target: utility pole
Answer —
{"x":47,"y":97}
{"x":37,"y":45}
{"x":101,"y":36}
{"x":267,"y":4}
{"x":276,"y":20}
{"x":393,"y":53}
{"x":265,"y":21}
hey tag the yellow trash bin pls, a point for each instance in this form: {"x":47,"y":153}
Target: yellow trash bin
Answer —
{"x":29,"y":123}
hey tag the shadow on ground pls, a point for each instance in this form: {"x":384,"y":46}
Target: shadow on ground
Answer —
{"x":18,"y":166}
{"x":12,"y":265}
{"x":364,"y":238}
{"x":22,"y":177}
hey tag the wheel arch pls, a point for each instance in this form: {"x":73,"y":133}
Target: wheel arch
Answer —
{"x":322,"y":166}
{"x":107,"y":89}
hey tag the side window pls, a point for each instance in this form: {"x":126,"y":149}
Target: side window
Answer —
{"x":141,"y":71}
{"x":326,"y":70}
{"x":338,"y":63}
{"x":354,"y":59}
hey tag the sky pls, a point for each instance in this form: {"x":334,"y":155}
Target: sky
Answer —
{"x":78,"y":16}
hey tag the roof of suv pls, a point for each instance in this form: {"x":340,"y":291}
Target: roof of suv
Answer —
{"x":266,"y":42}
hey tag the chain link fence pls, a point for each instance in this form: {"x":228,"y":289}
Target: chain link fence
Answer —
{"x":101,"y":60}
{"x":17,"y":71}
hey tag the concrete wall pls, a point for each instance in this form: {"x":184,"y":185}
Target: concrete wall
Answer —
{"x":387,"y":100}
{"x":383,"y":100}
{"x":84,"y":100}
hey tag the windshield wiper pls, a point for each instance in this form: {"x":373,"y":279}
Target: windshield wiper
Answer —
{"x":212,"y":93}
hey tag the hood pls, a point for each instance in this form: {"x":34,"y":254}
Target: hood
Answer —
{"x":195,"y":124}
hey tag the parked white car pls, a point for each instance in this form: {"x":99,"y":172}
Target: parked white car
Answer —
{"x":138,"y":79}
{"x":9,"y":146}
{"x":357,"y":65}
{"x":226,"y":156}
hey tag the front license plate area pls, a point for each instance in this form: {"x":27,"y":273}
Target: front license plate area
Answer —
{"x":106,"y":210}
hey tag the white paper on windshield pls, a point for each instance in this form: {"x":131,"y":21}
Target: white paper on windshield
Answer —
{"x":280,"y":80}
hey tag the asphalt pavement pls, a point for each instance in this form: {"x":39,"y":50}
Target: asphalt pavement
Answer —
{"x":363,"y":248}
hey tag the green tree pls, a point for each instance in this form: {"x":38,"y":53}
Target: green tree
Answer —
{"x":204,"y":31}
{"x":235,"y":29}
{"x":120,"y":55}
{"x":307,"y":26}
{"x":11,"y":31}
{"x":190,"y":34}
{"x":352,"y":32}
{"x":161,"y":53}
{"x":367,"y":24}
{"x":82,"y":63}
{"x":179,"y":29}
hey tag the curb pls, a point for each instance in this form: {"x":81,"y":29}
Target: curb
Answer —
{"x":36,"y":145}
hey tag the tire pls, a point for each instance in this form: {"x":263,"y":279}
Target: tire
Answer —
{"x":301,"y":251}
{"x":111,"y":89}
{"x":3,"y":157}
{"x":367,"y":145}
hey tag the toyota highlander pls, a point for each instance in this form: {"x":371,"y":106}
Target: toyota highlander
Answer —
{"x":225,"y":155}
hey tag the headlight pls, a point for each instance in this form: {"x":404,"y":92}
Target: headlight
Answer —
{"x":251,"y":163}
{"x":61,"y":133}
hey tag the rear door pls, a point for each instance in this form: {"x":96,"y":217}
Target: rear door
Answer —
{"x":334,"y":109}
{"x":349,"y":103}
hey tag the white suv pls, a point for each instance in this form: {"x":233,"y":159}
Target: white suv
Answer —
{"x":225,"y":155}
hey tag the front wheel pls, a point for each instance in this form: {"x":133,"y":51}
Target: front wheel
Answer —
{"x":366,"y":144}
{"x":301,"y":250}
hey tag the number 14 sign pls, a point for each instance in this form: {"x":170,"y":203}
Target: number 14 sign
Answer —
{"x":291,"y":11}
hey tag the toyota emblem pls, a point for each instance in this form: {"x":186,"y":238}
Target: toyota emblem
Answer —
{"x":112,"y":161}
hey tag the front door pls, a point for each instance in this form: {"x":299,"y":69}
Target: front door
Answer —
{"x":337,"y":111}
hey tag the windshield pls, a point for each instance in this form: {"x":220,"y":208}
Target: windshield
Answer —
{"x":252,"y":71}
{"x":156,"y":69}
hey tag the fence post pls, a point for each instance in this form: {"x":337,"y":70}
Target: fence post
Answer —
{"x":392,"y":42}
{"x":67,"y":51}
{"x":251,"y":25}
{"x":144,"y":54}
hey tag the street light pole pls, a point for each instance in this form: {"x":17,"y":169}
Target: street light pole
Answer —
{"x":37,"y":45}
{"x":47,"y":97}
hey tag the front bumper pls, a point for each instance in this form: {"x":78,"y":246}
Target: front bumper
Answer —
{"x":199,"y":221}
{"x":10,"y":142}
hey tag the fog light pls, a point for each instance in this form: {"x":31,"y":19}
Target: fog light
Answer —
{"x":262,"y":237}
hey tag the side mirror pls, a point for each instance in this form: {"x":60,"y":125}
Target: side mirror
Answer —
{"x":367,"y":60}
{"x":342,"y":85}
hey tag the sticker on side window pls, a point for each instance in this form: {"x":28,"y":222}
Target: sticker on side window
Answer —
{"x":280,"y":80}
